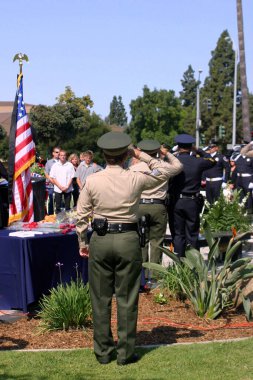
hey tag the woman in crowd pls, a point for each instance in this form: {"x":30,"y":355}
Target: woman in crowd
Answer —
{"x":233,"y":173}
{"x":73,"y":158}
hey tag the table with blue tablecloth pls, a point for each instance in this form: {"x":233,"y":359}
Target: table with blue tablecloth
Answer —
{"x":31,"y":266}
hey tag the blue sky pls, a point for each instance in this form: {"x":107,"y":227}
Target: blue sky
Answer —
{"x":112,"y":47}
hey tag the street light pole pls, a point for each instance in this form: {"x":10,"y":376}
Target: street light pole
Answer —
{"x":198,"y":121}
{"x":234,"y":100}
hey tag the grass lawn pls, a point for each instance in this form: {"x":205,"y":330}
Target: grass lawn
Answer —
{"x":231,"y":360}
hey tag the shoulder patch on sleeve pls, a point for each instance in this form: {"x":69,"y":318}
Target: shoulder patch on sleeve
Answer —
{"x":154,"y":172}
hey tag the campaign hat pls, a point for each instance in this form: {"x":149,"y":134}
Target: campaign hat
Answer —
{"x":149,"y":146}
{"x":114,"y":143}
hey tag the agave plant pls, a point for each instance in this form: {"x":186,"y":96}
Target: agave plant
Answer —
{"x":210,"y":289}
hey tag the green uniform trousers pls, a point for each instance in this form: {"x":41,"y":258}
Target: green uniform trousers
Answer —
{"x":157,"y":230}
{"x":115,"y":267}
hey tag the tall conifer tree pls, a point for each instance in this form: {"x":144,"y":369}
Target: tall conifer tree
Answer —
{"x":217,"y":94}
{"x":188,"y":97}
{"x":117,"y":113}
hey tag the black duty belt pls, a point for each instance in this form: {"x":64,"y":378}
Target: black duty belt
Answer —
{"x":151,"y":201}
{"x":188,"y":196}
{"x":121,"y":227}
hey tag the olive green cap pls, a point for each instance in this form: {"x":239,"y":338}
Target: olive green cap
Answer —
{"x":149,"y":146}
{"x":114,"y":143}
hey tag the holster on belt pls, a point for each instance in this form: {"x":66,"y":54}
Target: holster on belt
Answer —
{"x":200,"y":201}
{"x":144,"y":229}
{"x":100,"y":226}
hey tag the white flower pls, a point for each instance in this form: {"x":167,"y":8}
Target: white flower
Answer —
{"x":228,"y":194}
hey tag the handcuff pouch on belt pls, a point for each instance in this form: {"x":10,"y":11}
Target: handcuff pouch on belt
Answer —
{"x":100,"y":225}
{"x":144,"y":229}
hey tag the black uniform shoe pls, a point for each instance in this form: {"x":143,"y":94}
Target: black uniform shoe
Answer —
{"x":104,"y":359}
{"x":145,"y":289}
{"x":133,"y":359}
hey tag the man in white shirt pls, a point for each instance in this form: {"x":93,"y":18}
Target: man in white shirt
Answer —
{"x":61,"y":175}
{"x":49,"y":184}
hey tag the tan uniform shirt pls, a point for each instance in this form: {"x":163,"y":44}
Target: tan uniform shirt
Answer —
{"x":247,"y":150}
{"x":159,"y":191}
{"x":114,"y":193}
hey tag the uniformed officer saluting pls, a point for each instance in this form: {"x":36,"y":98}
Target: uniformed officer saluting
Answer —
{"x":185,"y":201}
{"x":244,"y":170}
{"x":218,"y":175}
{"x":114,"y":252}
{"x":152,"y":201}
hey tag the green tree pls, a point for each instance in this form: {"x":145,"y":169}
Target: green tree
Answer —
{"x":216,"y":96}
{"x":68,"y":123}
{"x":87,"y":139}
{"x":156,"y":114}
{"x":117,"y":113}
{"x":4,"y":144}
{"x":189,"y":85}
{"x":188,"y":97}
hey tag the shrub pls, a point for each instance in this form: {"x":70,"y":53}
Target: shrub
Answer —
{"x":67,"y":306}
{"x":226,"y":213}
{"x":160,"y":298}
{"x":210,"y":289}
{"x":170,"y":279}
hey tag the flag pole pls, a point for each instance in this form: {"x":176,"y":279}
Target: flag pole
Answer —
{"x":21,"y":155}
{"x":20,"y":57}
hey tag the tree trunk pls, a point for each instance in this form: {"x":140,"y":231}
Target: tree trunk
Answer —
{"x":244,"y":87}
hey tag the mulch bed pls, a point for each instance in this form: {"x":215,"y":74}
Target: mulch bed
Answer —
{"x":174,"y":322}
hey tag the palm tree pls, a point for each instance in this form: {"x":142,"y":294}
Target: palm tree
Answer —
{"x":244,"y":87}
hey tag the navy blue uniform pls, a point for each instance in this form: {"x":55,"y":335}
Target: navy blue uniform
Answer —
{"x":185,"y":203}
{"x":215,"y":176}
{"x":244,"y":169}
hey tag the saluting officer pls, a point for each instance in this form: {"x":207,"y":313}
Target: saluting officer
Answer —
{"x":244,"y":170}
{"x":114,"y":252}
{"x":218,"y":175}
{"x":152,"y":202}
{"x":185,"y":198}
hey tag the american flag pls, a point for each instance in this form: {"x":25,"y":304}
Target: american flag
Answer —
{"x":22,"y":156}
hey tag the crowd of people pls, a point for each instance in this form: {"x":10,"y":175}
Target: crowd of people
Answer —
{"x":177,"y":202}
{"x":66,"y":178}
